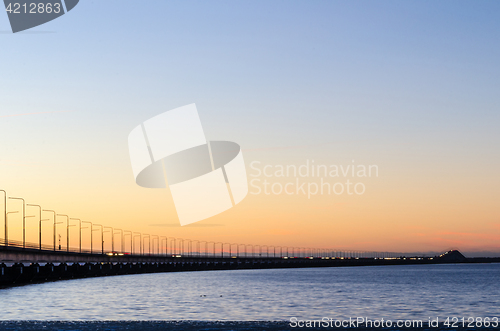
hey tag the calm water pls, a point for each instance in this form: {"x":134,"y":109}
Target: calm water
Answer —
{"x":395,"y":292}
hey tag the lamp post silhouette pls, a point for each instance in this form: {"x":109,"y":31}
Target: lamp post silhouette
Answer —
{"x":213,"y":251}
{"x":213,"y":248}
{"x":52,"y":211}
{"x":80,"y":237}
{"x":112,"y":239}
{"x":166,"y":244}
{"x":267,"y":250}
{"x":149,"y":243}
{"x":121,"y":240}
{"x":102,"y":236}
{"x":59,"y":234}
{"x":43,"y":220}
{"x":205,"y":253}
{"x":157,"y":244}
{"x":6,"y":221}
{"x":91,"y":229}
{"x":246,"y":250}
{"x":39,"y":225}
{"x":197,"y":247}
{"x":181,"y":246}
{"x":125,"y":234}
{"x":67,"y":231}
{"x":260,"y":249}
{"x":140,"y":241}
{"x":221,"y":249}
{"x":189,"y":248}
{"x":237,"y":249}
{"x":24,"y":219}
{"x":173,"y":248}
{"x":185,"y":250}
{"x":280,"y":251}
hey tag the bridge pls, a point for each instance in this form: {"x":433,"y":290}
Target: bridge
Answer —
{"x":24,"y":262}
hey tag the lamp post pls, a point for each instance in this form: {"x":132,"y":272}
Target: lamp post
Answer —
{"x":5,"y":215}
{"x":237,"y":249}
{"x":6,"y":221}
{"x":181,"y":246}
{"x":149,"y":242}
{"x":260,"y":249}
{"x":130,"y":233}
{"x":121,"y":240}
{"x":173,"y":249}
{"x":52,"y":211}
{"x":205,"y":251}
{"x":39,"y":225}
{"x":24,"y":219}
{"x":208,"y":245}
{"x":67,"y":231}
{"x":157,"y":244}
{"x":281,"y":251}
{"x":244,"y":248}
{"x":246,"y":251}
{"x":43,"y":220}
{"x":267,"y":250}
{"x":140,"y":241}
{"x":91,"y":229}
{"x":197,"y":247}
{"x":80,"y":237}
{"x":222,"y":248}
{"x":166,"y":244}
{"x":102,"y":236}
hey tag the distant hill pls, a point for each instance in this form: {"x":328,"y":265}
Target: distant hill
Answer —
{"x":452,"y":256}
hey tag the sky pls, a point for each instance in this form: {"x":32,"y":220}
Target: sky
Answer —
{"x":411,"y":87}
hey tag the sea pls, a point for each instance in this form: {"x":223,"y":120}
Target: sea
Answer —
{"x":465,"y":295}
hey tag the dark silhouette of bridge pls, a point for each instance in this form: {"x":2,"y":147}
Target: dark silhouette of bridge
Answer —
{"x":24,"y":262}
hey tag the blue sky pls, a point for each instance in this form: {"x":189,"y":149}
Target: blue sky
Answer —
{"x":389,"y":64}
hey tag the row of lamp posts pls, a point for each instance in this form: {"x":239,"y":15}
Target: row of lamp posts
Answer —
{"x":174,"y":242}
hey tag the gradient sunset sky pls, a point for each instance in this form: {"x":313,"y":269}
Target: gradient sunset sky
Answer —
{"x":409,"y":86}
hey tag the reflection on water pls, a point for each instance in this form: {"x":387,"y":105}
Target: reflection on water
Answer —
{"x":394,"y":292}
